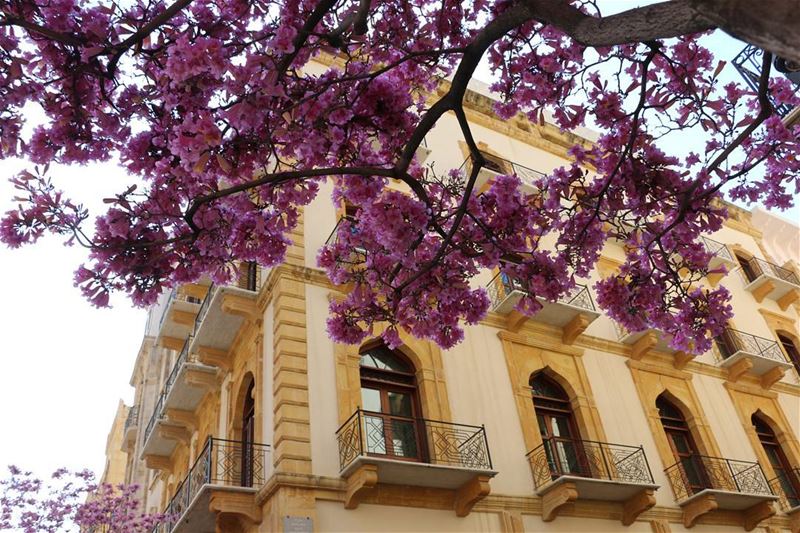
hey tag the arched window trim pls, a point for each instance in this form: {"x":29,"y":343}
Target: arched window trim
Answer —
{"x":790,"y":347}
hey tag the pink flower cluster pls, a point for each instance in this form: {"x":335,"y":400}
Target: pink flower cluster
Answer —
{"x":228,"y":128}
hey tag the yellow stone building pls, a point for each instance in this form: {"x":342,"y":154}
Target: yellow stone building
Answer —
{"x":248,"y":418}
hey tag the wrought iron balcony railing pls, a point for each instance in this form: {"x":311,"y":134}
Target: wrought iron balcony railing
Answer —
{"x":157,"y":411}
{"x":748,"y":64}
{"x":502,"y":285}
{"x":557,"y":457}
{"x":732,"y":341}
{"x":500,"y":165}
{"x":756,"y":268}
{"x":132,"y":420}
{"x":223,"y":463}
{"x":367,"y":433}
{"x":183,"y":357}
{"x":786,"y":486}
{"x":696,"y":473}
{"x":717,"y":248}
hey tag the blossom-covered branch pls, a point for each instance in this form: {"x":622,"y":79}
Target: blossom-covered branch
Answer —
{"x":230,"y":115}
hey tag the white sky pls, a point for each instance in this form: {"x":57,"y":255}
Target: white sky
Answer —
{"x":66,"y":364}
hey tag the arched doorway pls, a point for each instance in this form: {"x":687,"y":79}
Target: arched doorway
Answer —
{"x":748,"y":268}
{"x":390,"y":401}
{"x":790,"y":347}
{"x":682,"y":444}
{"x":557,"y":427}
{"x":785,"y":476}
{"x":248,"y":435}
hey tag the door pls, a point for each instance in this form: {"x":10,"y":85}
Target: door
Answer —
{"x":248,"y":438}
{"x":390,"y":419}
{"x":561,"y":444}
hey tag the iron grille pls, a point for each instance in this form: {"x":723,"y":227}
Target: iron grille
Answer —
{"x":500,"y":165}
{"x":717,"y":248}
{"x":694,"y":473}
{"x":132,"y":420}
{"x":157,"y":413}
{"x":748,"y":63}
{"x":502,"y":285}
{"x":355,"y":256}
{"x":557,"y":457}
{"x":204,"y":307}
{"x":183,"y":357}
{"x":732,"y":341}
{"x":761,"y":267}
{"x":221,"y":462}
{"x":786,"y":486}
{"x":368,"y":433}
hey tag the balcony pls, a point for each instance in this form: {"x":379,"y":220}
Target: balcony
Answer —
{"x":566,"y":470}
{"x":703,"y":484}
{"x":642,"y":342}
{"x":767,"y":280}
{"x":573,"y":312}
{"x":721,"y":255}
{"x":743,"y":353}
{"x":223,"y":311}
{"x":131,"y":428}
{"x":787,"y":487}
{"x":160,"y":436}
{"x":177,"y":320}
{"x":356,"y":257}
{"x":378,"y":448}
{"x":223,"y":479}
{"x":496,"y":166}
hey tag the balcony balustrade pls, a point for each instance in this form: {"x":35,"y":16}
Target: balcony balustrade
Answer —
{"x":226,"y":476}
{"x":131,"y":428}
{"x":641,"y":342}
{"x":223,"y":311}
{"x":496,"y":166}
{"x":573,"y":312}
{"x":376,"y":447}
{"x":721,"y":255}
{"x":787,"y":487}
{"x":702,"y":484}
{"x":356,"y":256}
{"x":180,"y":309}
{"x":767,"y":280}
{"x":565,"y":470}
{"x":743,"y":353}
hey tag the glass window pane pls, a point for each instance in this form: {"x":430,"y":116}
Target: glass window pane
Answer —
{"x":400,"y":404}
{"x":384,"y":359}
{"x":404,"y":440}
{"x":374,"y":434}
{"x":561,"y":427}
{"x":542,"y":425}
{"x":681,"y":444}
{"x":371,"y":400}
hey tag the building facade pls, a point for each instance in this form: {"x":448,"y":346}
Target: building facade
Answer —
{"x":248,"y":418}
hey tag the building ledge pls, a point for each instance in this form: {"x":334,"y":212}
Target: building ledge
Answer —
{"x":753,"y":508}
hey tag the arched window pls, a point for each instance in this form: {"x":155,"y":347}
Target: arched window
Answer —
{"x":248,"y":435}
{"x":785,"y":477}
{"x":560,"y":437}
{"x":391,"y":404}
{"x":791,"y":349}
{"x":747,"y":267}
{"x":682,"y":444}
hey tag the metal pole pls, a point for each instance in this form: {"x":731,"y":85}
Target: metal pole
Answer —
{"x":360,"y":432}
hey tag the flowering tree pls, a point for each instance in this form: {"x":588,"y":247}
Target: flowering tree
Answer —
{"x":33,"y":506}
{"x":214,"y":105}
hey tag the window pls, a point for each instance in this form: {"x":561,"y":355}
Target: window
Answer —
{"x":248,"y":435}
{"x":391,"y":406}
{"x":682,"y":444}
{"x":792,"y":352}
{"x":747,"y":267}
{"x":560,"y":437}
{"x":785,"y":477}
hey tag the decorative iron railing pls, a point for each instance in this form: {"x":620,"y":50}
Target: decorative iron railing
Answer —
{"x":759,"y":267}
{"x":786,"y":486}
{"x":368,"y":433}
{"x":500,"y":165}
{"x":157,"y":412}
{"x":717,"y":248}
{"x":695,"y":473}
{"x":183,"y":357}
{"x":175,"y":295}
{"x":557,"y":457}
{"x":748,"y":64}
{"x":132,"y":420}
{"x":357,"y":255}
{"x":502,"y":285}
{"x":732,"y":341}
{"x":221,"y":462}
